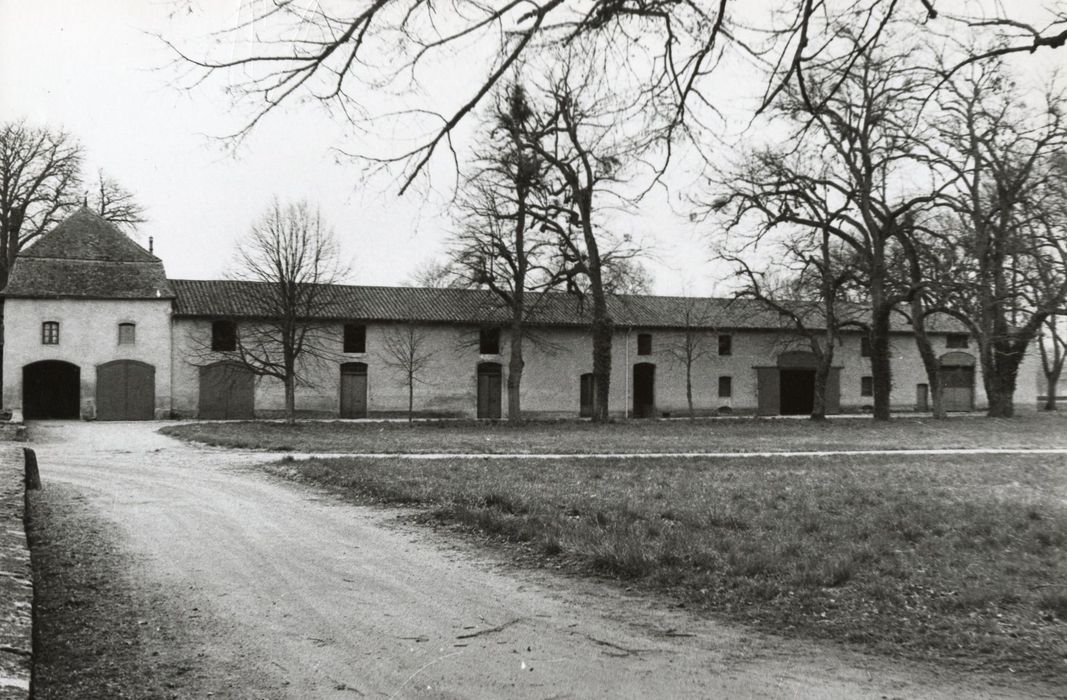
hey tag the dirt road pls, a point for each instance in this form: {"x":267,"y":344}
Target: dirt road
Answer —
{"x":308,"y":597}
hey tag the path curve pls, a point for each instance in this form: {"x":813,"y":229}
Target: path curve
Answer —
{"x":323,"y":599}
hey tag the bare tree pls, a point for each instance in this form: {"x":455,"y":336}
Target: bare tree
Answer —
{"x":408,"y":352}
{"x":499,"y":246}
{"x":572,"y":134}
{"x":668,"y":52}
{"x":849,"y":174}
{"x":39,"y":182}
{"x":434,"y":274}
{"x":288,"y":261}
{"x":693,"y":345}
{"x":1008,"y":203}
{"x":1053,"y":348}
{"x":115,"y":203}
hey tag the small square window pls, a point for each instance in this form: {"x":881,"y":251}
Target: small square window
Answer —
{"x":127,"y":333}
{"x":489,"y":341}
{"x":50,"y":333}
{"x":866,"y":386}
{"x":957,"y":341}
{"x":726,"y":387}
{"x":865,"y":346}
{"x":224,"y":336}
{"x":726,"y":345}
{"x":644,"y":343}
{"x":355,"y":337}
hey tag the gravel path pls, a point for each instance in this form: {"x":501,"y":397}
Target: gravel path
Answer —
{"x":323,"y":599}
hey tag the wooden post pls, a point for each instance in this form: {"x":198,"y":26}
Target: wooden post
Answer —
{"x":33,"y":474}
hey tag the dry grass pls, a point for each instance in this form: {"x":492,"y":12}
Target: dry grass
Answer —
{"x":743,"y":435}
{"x":961,"y":558}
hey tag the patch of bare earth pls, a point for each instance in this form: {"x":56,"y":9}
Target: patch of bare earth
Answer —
{"x":101,"y":631}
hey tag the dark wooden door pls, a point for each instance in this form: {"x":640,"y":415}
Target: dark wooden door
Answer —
{"x":51,"y":389}
{"x":489,"y":385}
{"x":354,"y":390}
{"x":586,"y":392}
{"x":767,"y":393}
{"x":958,"y":383}
{"x":227,"y":392}
{"x":797,"y":391}
{"x":125,"y":390}
{"x":644,"y":390}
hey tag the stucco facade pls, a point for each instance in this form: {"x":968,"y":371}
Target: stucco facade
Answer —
{"x":88,"y":338}
{"x":94,"y":329}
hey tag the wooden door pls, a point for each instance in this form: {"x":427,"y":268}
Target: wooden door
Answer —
{"x":489,"y":386}
{"x":767,"y":391}
{"x":125,"y":390}
{"x":354,"y":390}
{"x":586,"y":396}
{"x":958,"y":383}
{"x":227,"y":392}
{"x":644,"y":390}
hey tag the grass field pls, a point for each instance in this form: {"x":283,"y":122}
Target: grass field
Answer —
{"x":955,"y":557}
{"x":743,"y":435}
{"x":958,"y":558}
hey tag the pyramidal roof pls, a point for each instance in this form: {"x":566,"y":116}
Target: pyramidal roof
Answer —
{"x":87,"y":257}
{"x":85,"y":235}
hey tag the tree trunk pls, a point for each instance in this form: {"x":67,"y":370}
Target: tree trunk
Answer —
{"x":602,"y":332}
{"x":1050,"y":393}
{"x":689,"y":386}
{"x":933,"y":368}
{"x":822,"y":377}
{"x":290,"y":398}
{"x":411,"y":397}
{"x":515,"y":365}
{"x":881,"y":366}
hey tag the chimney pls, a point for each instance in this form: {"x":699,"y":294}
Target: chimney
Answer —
{"x":150,"y":252}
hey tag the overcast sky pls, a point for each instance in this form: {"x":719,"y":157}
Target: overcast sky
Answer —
{"x":96,"y":69}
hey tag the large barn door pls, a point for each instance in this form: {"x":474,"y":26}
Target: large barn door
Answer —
{"x":125,"y":390}
{"x":227,"y":392}
{"x":767,"y":391}
{"x":354,"y":390}
{"x":489,"y":390}
{"x":51,"y":389}
{"x":957,"y":380}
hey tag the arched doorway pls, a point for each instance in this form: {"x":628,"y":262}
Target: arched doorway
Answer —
{"x":957,"y":381}
{"x":644,"y":390}
{"x":489,"y":384}
{"x":125,"y":390}
{"x":354,"y":390}
{"x":51,"y":389}
{"x":227,"y":392}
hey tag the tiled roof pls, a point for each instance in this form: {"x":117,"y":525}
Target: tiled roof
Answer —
{"x":84,"y":235}
{"x":237,"y":299}
{"x":88,"y":258}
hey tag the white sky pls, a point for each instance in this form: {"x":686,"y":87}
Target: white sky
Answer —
{"x":96,"y":69}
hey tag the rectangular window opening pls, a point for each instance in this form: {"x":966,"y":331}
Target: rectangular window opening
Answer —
{"x":355,"y":339}
{"x":50,"y":333}
{"x":644,"y":343}
{"x":127,"y":333}
{"x":726,"y":344}
{"x":865,"y":346}
{"x":489,"y":341}
{"x":726,"y":387}
{"x":223,"y":336}
{"x":956,"y":341}
{"x":866,"y":386}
